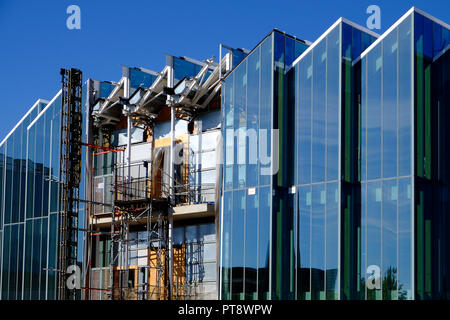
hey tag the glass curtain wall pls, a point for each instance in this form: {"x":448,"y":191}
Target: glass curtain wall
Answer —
{"x":251,"y":98}
{"x":30,"y":158}
{"x":325,"y":169}
{"x":431,"y":65}
{"x":13,"y":174}
{"x":386,"y":171}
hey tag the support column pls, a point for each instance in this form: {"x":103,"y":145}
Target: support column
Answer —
{"x":89,"y":187}
{"x":170,"y":81}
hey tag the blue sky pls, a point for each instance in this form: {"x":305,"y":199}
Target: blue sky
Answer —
{"x":35,"y":42}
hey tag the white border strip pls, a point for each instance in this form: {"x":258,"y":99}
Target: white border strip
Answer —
{"x":23,"y":119}
{"x":45,"y":109}
{"x":329,"y":30}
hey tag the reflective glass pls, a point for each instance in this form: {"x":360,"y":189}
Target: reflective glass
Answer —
{"x":373,"y":114}
{"x":372,"y":209}
{"x":404,"y":97}
{"x":253,"y":75}
{"x":389,"y":112}
{"x":183,"y":68}
{"x":319,"y":112}
{"x":5,"y":261}
{"x":265,"y":109}
{"x":304,"y":244}
{"x":332,"y":241}
{"x":304,"y":120}
{"x":318,"y":242}
{"x":264,"y":242}
{"x":240,"y":124}
{"x":251,"y":247}
{"x":226,"y":245}
{"x":229,"y":133}
{"x":237,"y":249}
{"x":405,"y":240}
{"x":389,"y":240}
{"x":332,"y":100}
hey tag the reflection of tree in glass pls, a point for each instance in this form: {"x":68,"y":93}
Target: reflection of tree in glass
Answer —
{"x":390,"y":284}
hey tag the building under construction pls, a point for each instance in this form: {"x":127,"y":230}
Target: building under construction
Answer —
{"x":331,"y":183}
{"x":110,"y":189}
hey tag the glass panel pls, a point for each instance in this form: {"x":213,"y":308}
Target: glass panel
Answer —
{"x":389,"y":240}
{"x":265,"y":110}
{"x":253,"y":75}
{"x":229,"y":132}
{"x":332,"y":98}
{"x":237,"y":250}
{"x":319,"y":112}
{"x":390,"y":46}
{"x":183,"y":68}
{"x":363,"y":119}
{"x":405,"y":240}
{"x":36,"y":259}
{"x":318,"y":242}
{"x":226,"y":245}
{"x":43,"y":272}
{"x":404,"y":97}
{"x":304,"y":120}
{"x":251,"y":247}
{"x":240,"y":123}
{"x":332,"y":241}
{"x":373,"y":227}
{"x":6,"y":261}
{"x":8,"y":179}
{"x":373,"y":124}
{"x":28,"y":251}
{"x":20,"y":258}
{"x":13,"y":267}
{"x":363,"y":267}
{"x":140,"y":79}
{"x":264,"y":243}
{"x":304,"y":244}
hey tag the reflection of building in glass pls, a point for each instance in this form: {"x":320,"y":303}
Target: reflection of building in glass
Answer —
{"x":298,"y":170}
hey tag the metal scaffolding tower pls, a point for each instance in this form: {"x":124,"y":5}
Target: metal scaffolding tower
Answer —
{"x":135,"y":201}
{"x":138,"y":200}
{"x":70,"y":176}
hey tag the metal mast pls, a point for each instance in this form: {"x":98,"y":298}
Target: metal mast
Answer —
{"x":70,"y":176}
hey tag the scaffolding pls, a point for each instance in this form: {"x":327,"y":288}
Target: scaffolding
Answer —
{"x":145,"y":195}
{"x":135,"y":200}
{"x":70,"y":176}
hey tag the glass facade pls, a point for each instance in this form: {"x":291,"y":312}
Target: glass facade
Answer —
{"x":253,"y":108}
{"x":386,"y":171}
{"x":13,"y":175}
{"x":357,"y":208}
{"x":325,"y":170}
{"x":335,"y":181}
{"x":29,"y":204}
{"x":430,"y":104}
{"x":30,"y":158}
{"x":404,"y":148}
